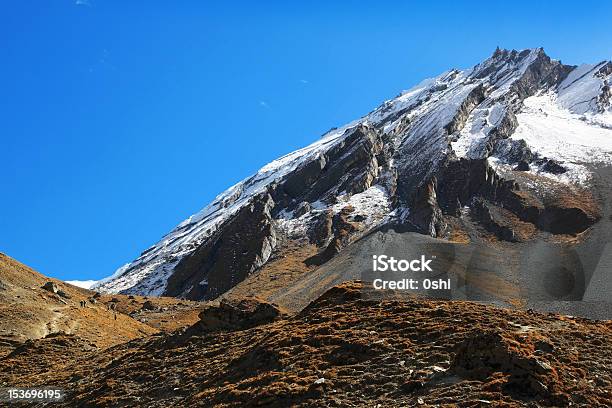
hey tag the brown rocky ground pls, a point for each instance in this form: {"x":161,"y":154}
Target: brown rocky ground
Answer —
{"x":29,"y":312}
{"x":348,"y":348}
{"x":166,"y":314}
{"x":286,"y":269}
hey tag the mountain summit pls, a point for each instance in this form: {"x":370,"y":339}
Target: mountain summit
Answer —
{"x":509,"y":152}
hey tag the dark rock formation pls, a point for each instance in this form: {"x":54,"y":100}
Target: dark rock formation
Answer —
{"x":303,"y":208}
{"x":564,"y":220}
{"x":482,"y":355}
{"x":237,"y":315}
{"x":490,"y":218}
{"x":342,"y":229}
{"x":63,"y":294}
{"x":474,"y":98}
{"x":321,"y":230}
{"x":50,"y":286}
{"x":522,"y":166}
{"x":228,"y":256}
{"x":513,"y":151}
{"x":350,"y":166}
{"x":425,"y":215}
{"x":551,"y":166}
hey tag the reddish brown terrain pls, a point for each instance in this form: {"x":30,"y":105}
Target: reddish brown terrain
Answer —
{"x":36,"y":312}
{"x":350,"y":347}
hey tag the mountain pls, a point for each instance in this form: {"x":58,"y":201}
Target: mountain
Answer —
{"x":506,"y":161}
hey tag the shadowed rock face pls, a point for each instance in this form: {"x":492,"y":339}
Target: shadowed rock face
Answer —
{"x":541,"y":73}
{"x":236,"y":315}
{"x":342,"y":229}
{"x":475,"y":184}
{"x":350,"y":166}
{"x":458,"y":183}
{"x":249,"y":238}
{"x":242,"y":246}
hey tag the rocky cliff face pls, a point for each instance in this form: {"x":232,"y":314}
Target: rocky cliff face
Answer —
{"x":502,"y":151}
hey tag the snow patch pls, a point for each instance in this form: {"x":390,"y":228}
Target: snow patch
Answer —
{"x":85,"y":284}
{"x":578,"y":93}
{"x":476,"y":131}
{"x":555,"y":132}
{"x":373,"y":204}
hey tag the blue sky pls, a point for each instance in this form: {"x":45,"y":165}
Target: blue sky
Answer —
{"x":120,"y":119}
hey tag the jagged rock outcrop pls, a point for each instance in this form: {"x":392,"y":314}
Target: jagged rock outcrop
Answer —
{"x":228,"y":257}
{"x":350,"y":166}
{"x":425,"y":215}
{"x":237,"y":315}
{"x":50,"y":286}
{"x":342,"y":229}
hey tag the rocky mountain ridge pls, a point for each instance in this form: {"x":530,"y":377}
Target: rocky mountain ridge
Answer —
{"x":463,"y":156}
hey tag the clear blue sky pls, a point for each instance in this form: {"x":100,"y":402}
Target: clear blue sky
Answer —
{"x":120,"y":119}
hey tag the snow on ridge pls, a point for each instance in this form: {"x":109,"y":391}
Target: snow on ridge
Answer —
{"x":149,"y":272}
{"x":567,"y":124}
{"x":407,"y":99}
{"x":490,"y":112}
{"x":554,"y":132}
{"x":579,"y":92}
{"x":120,"y":271}
{"x":374,"y":204}
{"x":572,"y":137}
{"x":514,"y":72}
{"x":476,"y":130}
{"x":200,"y":225}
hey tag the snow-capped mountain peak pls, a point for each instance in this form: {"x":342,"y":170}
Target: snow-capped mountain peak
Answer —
{"x":401,"y":163}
